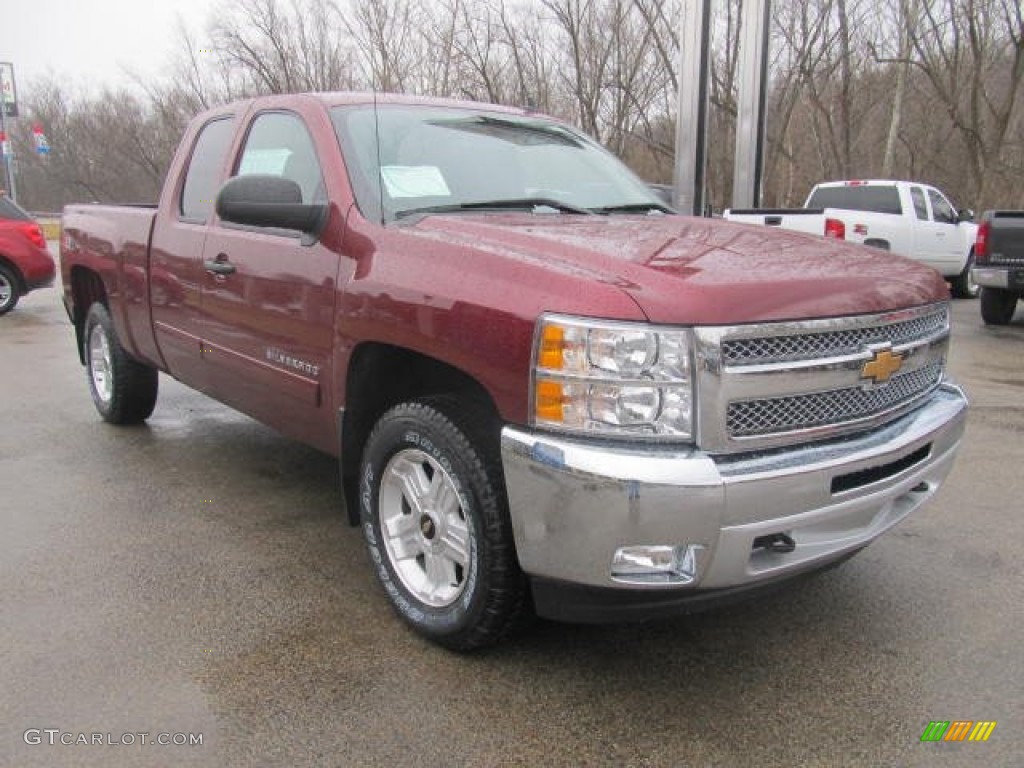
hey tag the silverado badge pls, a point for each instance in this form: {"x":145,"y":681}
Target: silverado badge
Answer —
{"x":882,"y":365}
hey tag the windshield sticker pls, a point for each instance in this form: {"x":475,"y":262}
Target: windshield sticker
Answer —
{"x":269,"y":161}
{"x":414,"y":181}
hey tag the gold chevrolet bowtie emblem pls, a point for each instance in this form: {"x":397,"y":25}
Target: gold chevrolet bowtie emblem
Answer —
{"x":881,"y":366}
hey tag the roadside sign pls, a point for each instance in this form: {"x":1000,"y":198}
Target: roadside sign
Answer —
{"x":10,"y":91}
{"x":41,"y":142}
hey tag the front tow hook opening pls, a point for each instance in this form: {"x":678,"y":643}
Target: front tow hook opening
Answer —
{"x":779,"y":543}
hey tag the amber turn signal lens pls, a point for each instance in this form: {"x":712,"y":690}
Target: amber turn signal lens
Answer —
{"x":549,"y":400}
{"x":552,"y":342}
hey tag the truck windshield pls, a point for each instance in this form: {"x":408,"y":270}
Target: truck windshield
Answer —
{"x":880,"y":198}
{"x":433,"y":159}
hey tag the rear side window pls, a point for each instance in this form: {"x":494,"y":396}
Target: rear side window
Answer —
{"x":11,"y":210}
{"x":920,"y":208}
{"x":278,"y":144}
{"x":942,"y":211}
{"x":877,"y":198}
{"x":203,"y":173}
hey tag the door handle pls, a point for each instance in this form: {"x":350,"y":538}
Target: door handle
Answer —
{"x":220,"y":265}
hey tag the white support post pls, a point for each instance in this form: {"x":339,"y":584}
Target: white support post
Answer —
{"x":750,"y":117}
{"x":692,"y":118}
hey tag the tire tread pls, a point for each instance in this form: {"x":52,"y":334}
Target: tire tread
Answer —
{"x":473,"y":435}
{"x":997,"y":305}
{"x":12,"y":278}
{"x":135,"y":385}
{"x":962,"y":286}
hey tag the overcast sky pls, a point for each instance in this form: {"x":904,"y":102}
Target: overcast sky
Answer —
{"x":91,"y":42}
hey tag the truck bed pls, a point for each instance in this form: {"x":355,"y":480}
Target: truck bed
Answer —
{"x":810,"y":220}
{"x":113,"y":242}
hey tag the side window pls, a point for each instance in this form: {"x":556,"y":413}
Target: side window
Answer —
{"x":203,"y":173}
{"x":920,"y":208}
{"x":278,"y":144}
{"x":942,"y":211}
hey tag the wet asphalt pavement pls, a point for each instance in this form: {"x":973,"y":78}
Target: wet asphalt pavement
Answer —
{"x":196,"y":576}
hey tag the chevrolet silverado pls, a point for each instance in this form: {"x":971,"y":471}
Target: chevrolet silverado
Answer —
{"x":548,"y":392}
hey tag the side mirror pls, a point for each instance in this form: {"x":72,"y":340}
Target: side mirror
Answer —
{"x":965,"y":214}
{"x":259,"y":200}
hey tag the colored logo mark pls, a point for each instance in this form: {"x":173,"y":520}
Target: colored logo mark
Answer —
{"x":882,"y":365}
{"x":958,"y":730}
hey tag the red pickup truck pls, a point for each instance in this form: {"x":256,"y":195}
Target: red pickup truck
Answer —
{"x":548,"y":392}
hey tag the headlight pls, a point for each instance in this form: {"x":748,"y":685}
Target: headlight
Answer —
{"x":625,"y":379}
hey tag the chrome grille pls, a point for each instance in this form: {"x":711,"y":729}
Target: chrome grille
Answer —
{"x":785,"y":414}
{"x":768,"y":385}
{"x":809,"y":346}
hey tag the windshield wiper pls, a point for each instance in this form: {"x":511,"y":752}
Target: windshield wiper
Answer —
{"x":515,"y":204}
{"x":634,"y":208}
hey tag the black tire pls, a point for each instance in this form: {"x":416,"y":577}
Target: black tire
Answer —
{"x":10,"y":289}
{"x":443,"y":449}
{"x":997,"y":305}
{"x":123,"y":389}
{"x":964,"y":286}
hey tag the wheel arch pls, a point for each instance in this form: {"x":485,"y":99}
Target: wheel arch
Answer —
{"x":86,"y":289}
{"x":962,"y":284}
{"x":379,"y":377}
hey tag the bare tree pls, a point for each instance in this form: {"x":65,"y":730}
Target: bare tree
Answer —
{"x":972,"y":54}
{"x":384,"y":35}
{"x":928,"y":89}
{"x":107,"y":148}
{"x":905,"y":20}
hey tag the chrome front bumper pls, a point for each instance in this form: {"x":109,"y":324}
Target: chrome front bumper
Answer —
{"x":575,"y":503}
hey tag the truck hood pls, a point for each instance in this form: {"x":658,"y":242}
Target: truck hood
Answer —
{"x":687,"y":270}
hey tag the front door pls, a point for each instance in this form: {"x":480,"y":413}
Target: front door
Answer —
{"x":268,"y":298}
{"x":947,"y":251}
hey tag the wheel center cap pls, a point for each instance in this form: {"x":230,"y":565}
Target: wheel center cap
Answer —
{"x":427,"y":527}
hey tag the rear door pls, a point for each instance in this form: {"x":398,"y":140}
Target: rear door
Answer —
{"x":176,"y":251}
{"x":925,"y":234}
{"x":268,"y":323}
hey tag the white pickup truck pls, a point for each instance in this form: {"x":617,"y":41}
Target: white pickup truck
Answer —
{"x":904,"y":217}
